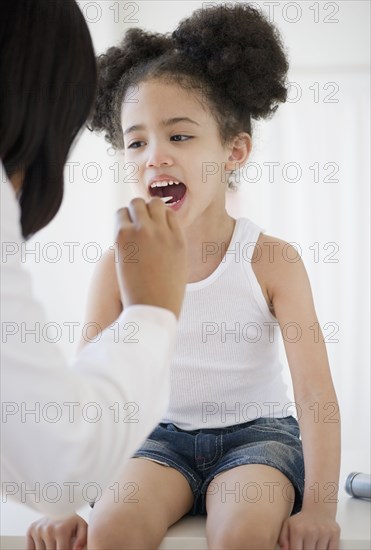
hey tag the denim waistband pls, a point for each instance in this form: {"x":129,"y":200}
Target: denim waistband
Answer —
{"x":229,"y":429}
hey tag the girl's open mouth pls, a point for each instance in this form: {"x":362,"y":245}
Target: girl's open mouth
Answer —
{"x":174,"y":191}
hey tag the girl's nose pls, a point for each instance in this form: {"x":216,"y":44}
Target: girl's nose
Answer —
{"x":158,"y":155}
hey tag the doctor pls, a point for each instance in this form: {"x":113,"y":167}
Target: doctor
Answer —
{"x":53,"y":449}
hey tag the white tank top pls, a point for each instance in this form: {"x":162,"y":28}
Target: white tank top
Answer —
{"x":226,"y":368}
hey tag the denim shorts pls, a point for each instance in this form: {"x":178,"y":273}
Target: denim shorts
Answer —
{"x":202,"y":454}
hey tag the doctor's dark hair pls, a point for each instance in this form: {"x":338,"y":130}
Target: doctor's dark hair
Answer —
{"x":230,"y":53}
{"x":48,"y":78}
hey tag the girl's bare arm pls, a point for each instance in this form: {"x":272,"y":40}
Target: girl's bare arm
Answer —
{"x":316,"y":402}
{"x":104,"y":301}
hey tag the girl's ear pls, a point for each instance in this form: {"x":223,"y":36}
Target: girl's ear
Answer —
{"x":240,"y":150}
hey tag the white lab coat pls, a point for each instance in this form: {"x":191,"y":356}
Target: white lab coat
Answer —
{"x":87,"y":419}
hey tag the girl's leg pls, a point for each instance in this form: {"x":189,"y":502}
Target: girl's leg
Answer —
{"x":246,"y":507}
{"x":151,"y":497}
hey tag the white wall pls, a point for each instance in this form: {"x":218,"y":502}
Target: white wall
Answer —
{"x":307,"y":131}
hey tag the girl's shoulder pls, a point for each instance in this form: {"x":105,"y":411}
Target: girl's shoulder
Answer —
{"x":270,"y":261}
{"x":274,"y":250}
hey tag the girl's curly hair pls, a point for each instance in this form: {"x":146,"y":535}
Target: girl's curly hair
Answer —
{"x":230,"y":53}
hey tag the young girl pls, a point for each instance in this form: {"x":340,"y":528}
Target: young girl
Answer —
{"x":180,"y":106}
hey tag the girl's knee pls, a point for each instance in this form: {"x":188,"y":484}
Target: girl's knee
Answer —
{"x":232,"y":537}
{"x":124,"y":534}
{"x":128,"y":541}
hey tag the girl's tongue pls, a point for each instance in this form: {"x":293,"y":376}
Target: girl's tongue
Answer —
{"x":176,"y":191}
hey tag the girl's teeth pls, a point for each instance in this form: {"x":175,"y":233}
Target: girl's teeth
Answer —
{"x":164,"y":183}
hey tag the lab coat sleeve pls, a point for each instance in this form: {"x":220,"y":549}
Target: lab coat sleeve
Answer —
{"x":66,"y":432}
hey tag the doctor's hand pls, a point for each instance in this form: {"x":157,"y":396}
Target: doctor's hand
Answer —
{"x":150,"y":255}
{"x":69,"y":533}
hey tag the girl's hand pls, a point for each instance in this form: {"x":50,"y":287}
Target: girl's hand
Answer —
{"x":53,"y":534}
{"x":309,"y":530}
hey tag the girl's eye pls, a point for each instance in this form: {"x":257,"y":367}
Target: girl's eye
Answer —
{"x":134,"y":144}
{"x":131,"y":146}
{"x":181,"y":135}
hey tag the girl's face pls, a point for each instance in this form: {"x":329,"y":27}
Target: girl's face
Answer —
{"x":170,"y":137}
